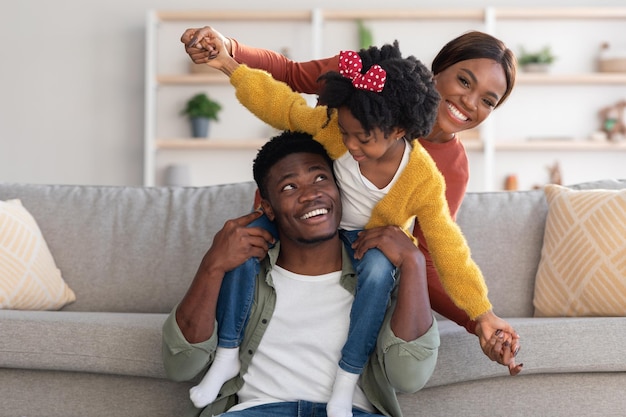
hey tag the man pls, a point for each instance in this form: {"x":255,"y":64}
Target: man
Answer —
{"x":300,"y":315}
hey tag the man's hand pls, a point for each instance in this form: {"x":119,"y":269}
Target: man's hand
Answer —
{"x":412,"y":316}
{"x":231,"y":247}
{"x":236,"y":242}
{"x":390,"y":240}
{"x":499,"y":341}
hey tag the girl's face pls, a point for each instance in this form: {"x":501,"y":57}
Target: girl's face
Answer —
{"x":469,"y":91}
{"x":364,"y":146}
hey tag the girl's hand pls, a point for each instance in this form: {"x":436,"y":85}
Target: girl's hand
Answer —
{"x":200,"y":51}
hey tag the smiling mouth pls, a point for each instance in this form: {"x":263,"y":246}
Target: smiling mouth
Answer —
{"x":457,"y":113}
{"x":314,"y":213}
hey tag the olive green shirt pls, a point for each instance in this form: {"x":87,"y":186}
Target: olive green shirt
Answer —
{"x":395,"y":366}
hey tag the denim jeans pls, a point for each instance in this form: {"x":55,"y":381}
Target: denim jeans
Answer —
{"x":375,"y":281}
{"x":290,"y":409}
{"x":237,"y":293}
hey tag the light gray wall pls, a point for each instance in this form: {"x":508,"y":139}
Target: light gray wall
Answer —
{"x":72,"y":81}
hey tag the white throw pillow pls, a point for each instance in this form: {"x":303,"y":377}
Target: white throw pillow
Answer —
{"x":29,"y":277}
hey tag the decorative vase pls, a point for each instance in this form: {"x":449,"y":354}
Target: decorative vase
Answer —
{"x":200,"y":127}
{"x":177,"y":175}
{"x":536,"y":67}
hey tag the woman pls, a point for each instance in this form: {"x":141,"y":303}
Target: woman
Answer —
{"x":474,"y":74}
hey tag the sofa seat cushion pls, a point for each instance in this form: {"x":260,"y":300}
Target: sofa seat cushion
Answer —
{"x":110,"y":343}
{"x":548,"y":345}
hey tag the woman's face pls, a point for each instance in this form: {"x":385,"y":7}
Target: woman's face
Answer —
{"x":469,"y":90}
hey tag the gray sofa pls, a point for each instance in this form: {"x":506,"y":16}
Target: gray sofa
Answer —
{"x":129,"y":254}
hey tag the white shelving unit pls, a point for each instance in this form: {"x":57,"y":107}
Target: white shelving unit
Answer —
{"x":228,"y":153}
{"x":571,"y":94}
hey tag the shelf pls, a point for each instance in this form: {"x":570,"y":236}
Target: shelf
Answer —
{"x":190,"y":143}
{"x":561,"y":145}
{"x":536,"y":13}
{"x":391,"y":14}
{"x":215,"y":15}
{"x":553,"y":13}
{"x":594,"y":78}
{"x":549,"y":145}
{"x":192,"y":79}
{"x":470,"y":145}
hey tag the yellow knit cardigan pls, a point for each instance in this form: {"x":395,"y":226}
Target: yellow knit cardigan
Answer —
{"x":418,"y":192}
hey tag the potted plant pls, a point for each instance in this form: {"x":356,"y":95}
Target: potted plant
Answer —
{"x":538,"y":61}
{"x":366,"y":38}
{"x":201,"y":109}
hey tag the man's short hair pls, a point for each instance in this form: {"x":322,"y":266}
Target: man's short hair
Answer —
{"x":280,"y":146}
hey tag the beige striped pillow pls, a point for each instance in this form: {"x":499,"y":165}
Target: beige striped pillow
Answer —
{"x":582,"y":271}
{"x":29,"y":277}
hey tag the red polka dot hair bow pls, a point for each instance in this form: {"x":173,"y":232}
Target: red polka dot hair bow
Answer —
{"x":350,"y":66}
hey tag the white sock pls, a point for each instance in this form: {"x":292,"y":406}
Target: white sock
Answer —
{"x":340,"y":403}
{"x":225,"y":366}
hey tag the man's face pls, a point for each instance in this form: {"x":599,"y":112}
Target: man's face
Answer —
{"x":303,"y":199}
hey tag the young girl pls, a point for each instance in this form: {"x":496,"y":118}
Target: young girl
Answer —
{"x":375,"y":106}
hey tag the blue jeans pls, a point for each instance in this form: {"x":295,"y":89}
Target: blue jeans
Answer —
{"x":237,"y":293}
{"x":291,"y":409}
{"x":375,"y":281}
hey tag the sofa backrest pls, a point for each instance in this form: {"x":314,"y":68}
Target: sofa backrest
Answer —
{"x":136,"y":249}
{"x":505,"y":232}
{"x":129,"y":249}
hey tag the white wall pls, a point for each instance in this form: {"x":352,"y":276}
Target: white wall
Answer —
{"x":72,"y":82}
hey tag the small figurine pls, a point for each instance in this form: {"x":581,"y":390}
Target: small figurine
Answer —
{"x":613,"y":122}
{"x":510,"y":183}
{"x":555,"y":173}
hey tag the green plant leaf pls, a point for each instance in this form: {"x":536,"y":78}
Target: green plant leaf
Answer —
{"x":366,"y":39}
{"x":543,"y":56}
{"x":201,"y":105}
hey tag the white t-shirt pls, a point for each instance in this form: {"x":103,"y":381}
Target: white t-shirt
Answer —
{"x":358,"y":194}
{"x":298,"y":356}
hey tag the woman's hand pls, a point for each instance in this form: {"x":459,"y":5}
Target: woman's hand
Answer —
{"x":499,"y":341}
{"x":208,"y":46}
{"x":199,"y":51}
